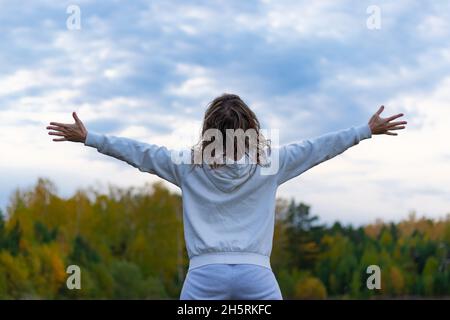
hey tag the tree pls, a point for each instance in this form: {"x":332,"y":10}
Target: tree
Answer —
{"x":429,"y":274}
{"x":310,"y":288}
{"x":2,"y":229}
{"x":14,"y":276}
{"x":11,"y":241}
{"x":397,"y":281}
{"x":43,"y":234}
{"x":303,"y":235}
{"x":129,"y":283}
{"x":82,"y":253}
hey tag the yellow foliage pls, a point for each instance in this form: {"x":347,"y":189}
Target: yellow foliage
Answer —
{"x":16,"y":274}
{"x":397,"y":280}
{"x":310,"y":288}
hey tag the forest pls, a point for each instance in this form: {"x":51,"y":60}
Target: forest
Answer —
{"x":129,"y":244}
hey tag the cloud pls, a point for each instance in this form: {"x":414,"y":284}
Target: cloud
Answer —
{"x":147,"y":70}
{"x":198,"y":82}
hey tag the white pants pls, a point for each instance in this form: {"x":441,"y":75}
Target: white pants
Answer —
{"x":230,"y":282}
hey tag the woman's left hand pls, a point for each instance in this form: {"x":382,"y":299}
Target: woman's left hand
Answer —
{"x":380,"y":125}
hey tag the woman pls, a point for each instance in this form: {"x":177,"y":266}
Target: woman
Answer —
{"x":229,"y":204}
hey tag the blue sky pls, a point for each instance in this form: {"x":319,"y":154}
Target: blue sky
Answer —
{"x":147,"y":69}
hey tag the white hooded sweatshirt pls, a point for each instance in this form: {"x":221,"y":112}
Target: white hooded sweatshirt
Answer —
{"x":229,"y":212}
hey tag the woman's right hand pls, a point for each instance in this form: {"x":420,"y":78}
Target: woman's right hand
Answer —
{"x":75,"y":132}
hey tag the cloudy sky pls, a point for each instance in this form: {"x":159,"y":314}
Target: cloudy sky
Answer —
{"x":147,"y":69}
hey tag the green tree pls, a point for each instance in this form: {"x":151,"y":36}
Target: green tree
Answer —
{"x":82,"y":253}
{"x":429,"y":275}
{"x":11,"y":241}
{"x":2,"y":229}
{"x":303,"y":234}
{"x":129,"y":283}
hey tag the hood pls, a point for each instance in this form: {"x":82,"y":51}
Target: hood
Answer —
{"x":231,"y":176}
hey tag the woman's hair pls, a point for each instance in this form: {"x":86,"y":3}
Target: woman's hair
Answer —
{"x":228,"y":111}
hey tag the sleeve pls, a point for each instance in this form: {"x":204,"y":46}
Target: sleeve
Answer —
{"x":145,"y":157}
{"x":298,"y":157}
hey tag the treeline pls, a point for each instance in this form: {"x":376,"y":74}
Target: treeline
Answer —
{"x":129,"y":244}
{"x":313,"y":260}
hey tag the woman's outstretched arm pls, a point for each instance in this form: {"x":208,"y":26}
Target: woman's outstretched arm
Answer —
{"x":297,"y":157}
{"x":146,"y":157}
